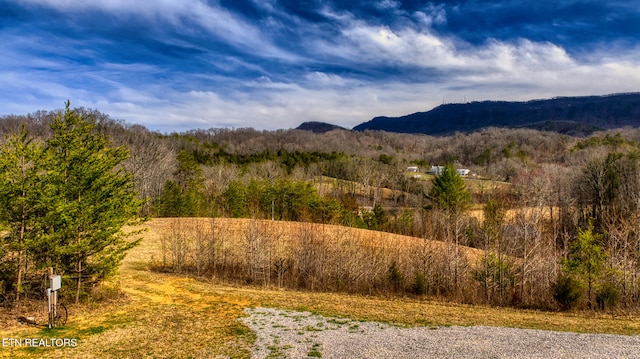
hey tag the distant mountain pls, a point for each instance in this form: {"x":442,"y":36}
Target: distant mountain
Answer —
{"x":318,"y":127}
{"x":578,"y":116}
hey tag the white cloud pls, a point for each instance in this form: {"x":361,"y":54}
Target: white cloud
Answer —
{"x":319,"y":79}
{"x":387,"y":5}
{"x":182,"y":15}
{"x":407,"y":46}
{"x":268,"y":104}
{"x":494,"y":70}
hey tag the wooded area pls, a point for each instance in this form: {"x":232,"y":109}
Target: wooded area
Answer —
{"x":556,"y":217}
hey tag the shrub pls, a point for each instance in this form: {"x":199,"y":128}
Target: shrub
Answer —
{"x":607,"y":296}
{"x":419,"y":286}
{"x":7,"y":278}
{"x":395,"y":277}
{"x":567,"y":291}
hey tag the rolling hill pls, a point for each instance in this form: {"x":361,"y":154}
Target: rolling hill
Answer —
{"x":319,"y":127}
{"x":577,"y":116}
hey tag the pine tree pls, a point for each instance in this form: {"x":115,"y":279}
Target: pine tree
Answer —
{"x":88,"y":200}
{"x":170,"y":202}
{"x":235,"y":200}
{"x":450,"y":192}
{"x":586,"y":258}
{"x":19,"y":172}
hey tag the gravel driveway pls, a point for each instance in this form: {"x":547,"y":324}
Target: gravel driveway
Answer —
{"x":291,"y":334}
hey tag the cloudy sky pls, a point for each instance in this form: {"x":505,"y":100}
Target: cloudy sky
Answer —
{"x":174,"y":65}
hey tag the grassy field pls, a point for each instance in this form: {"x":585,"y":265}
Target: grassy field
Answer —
{"x":157,"y":315}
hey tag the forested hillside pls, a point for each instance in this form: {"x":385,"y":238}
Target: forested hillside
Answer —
{"x":555,"y":215}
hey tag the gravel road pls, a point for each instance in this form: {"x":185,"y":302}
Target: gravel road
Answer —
{"x":291,"y":334}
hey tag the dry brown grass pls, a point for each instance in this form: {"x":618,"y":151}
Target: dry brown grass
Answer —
{"x":307,"y":255}
{"x":159,"y":316}
{"x":162,"y":315}
{"x":418,"y":312}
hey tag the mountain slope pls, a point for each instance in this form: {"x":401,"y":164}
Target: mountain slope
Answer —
{"x":318,"y":127}
{"x":570,"y":115}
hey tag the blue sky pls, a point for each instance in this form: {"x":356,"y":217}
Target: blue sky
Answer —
{"x":174,"y":65}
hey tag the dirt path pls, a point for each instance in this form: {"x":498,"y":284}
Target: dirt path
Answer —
{"x":159,"y":315}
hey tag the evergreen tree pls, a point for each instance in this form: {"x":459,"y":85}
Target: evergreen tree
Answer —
{"x":235,"y":200}
{"x":379,"y":217}
{"x":170,"y":202}
{"x":586,"y":259}
{"x":88,"y":200}
{"x":19,"y":172}
{"x":450,"y":192}
{"x":191,"y":184}
{"x":188,"y":173}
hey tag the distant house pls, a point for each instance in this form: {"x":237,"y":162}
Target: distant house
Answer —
{"x":437,"y":171}
{"x":413,"y":169}
{"x":463,"y":172}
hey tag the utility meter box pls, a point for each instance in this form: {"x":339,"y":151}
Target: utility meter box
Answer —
{"x":56,"y":282}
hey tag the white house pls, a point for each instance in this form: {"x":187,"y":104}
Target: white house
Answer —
{"x":437,"y":170}
{"x":463,"y":172}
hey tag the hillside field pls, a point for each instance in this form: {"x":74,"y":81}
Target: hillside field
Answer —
{"x":146,"y":313}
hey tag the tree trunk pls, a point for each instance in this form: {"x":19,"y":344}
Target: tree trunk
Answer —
{"x":20,"y":259}
{"x":23,"y":224}
{"x":79,"y":283}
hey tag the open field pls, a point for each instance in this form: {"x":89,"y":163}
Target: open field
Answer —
{"x":476,"y":186}
{"x":164,"y":315}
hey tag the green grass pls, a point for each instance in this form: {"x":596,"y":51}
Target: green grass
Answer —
{"x":315,"y":351}
{"x":277,"y":351}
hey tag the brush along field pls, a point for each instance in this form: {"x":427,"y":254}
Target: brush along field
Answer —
{"x":147,"y":314}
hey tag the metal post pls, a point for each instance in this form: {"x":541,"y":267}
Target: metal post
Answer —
{"x":49,"y":307}
{"x":54,"y":297}
{"x":50,"y":303}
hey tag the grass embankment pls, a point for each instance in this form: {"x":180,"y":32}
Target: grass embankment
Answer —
{"x":163,"y":315}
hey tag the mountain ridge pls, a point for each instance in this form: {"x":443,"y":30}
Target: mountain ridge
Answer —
{"x":578,"y":116}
